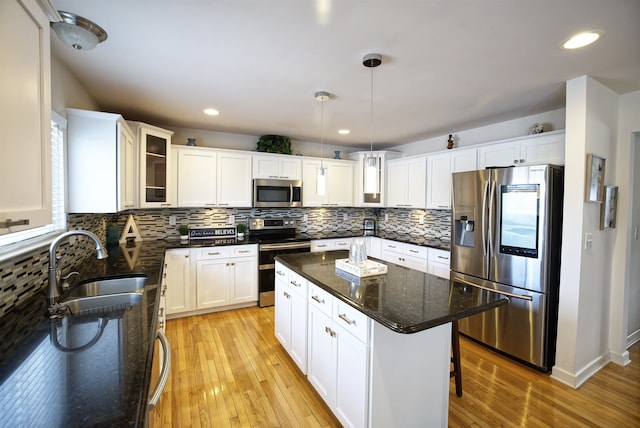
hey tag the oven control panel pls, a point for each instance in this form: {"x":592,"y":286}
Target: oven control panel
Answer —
{"x":272,"y":223}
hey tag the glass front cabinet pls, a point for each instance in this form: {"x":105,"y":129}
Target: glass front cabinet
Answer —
{"x":155,"y":153}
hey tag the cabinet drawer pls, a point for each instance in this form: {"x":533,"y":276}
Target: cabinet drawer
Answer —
{"x":282,"y":273}
{"x":439,"y":256}
{"x":211,"y":253}
{"x":393,"y":257}
{"x":321,"y":299}
{"x":396,"y":247}
{"x":439,"y":269}
{"x":352,"y":320}
{"x":342,"y":244}
{"x":298,"y":284}
{"x":416,"y":251}
{"x":245,"y":250}
{"x":321,"y":245}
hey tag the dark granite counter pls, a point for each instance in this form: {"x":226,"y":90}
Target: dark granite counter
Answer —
{"x":90,"y":370}
{"x":404,"y":300}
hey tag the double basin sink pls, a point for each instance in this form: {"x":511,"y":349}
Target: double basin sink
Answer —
{"x":106,"y":294}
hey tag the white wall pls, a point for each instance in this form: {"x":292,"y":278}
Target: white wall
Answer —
{"x":625,"y":325}
{"x":67,"y":91}
{"x":553,"y":120}
{"x":585,"y":281}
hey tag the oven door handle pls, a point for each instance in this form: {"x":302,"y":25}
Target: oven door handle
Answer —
{"x":285,"y":246}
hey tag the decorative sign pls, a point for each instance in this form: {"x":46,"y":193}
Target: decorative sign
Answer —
{"x":130,"y":231}
{"x":212,"y":232}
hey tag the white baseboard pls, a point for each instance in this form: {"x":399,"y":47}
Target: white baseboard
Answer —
{"x":575,"y":380}
{"x":633,"y":338}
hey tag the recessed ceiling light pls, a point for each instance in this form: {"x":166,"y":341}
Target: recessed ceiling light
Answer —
{"x":211,"y":112}
{"x":344,"y":132}
{"x":582,"y":39}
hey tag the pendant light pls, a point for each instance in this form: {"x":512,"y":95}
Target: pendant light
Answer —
{"x":372,"y":170}
{"x":321,"y":181}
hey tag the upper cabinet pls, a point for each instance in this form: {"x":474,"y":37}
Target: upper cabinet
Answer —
{"x":206,"y":177}
{"x":234,"y":179}
{"x":363,"y":198}
{"x":545,"y":148}
{"x":155,"y":163}
{"x":282,"y":167}
{"x":406,"y":185}
{"x":439,"y":169}
{"x":102,"y":162}
{"x":339,"y":186}
{"x":25,"y":115}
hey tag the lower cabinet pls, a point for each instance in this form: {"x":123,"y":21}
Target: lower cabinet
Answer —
{"x":407,"y":255}
{"x":439,"y":263}
{"x":291,"y":314}
{"x":202,"y":279}
{"x":338,"y":355}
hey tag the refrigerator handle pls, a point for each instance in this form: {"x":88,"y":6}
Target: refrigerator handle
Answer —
{"x":492,"y":204}
{"x":492,"y":290}
{"x":484,"y":226}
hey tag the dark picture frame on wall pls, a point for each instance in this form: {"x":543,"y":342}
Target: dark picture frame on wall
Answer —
{"x":608,"y":208}
{"x":594,"y":191}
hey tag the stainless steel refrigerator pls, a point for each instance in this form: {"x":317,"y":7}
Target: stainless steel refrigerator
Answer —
{"x":506,"y":237}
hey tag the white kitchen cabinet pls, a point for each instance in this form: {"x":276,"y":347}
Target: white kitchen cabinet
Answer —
{"x":406,"y":185}
{"x":362,"y":198}
{"x":545,"y":148}
{"x":180,"y":296}
{"x":234,"y":179}
{"x":291,"y":314}
{"x":339,"y":186}
{"x":226,"y":276}
{"x":155,"y":165}
{"x":206,"y":177}
{"x":200,"y":280}
{"x":439,"y":263}
{"x":195,"y":168}
{"x":439,"y":169}
{"x":282,"y":167}
{"x":407,"y":255}
{"x":338,"y":356}
{"x":335,"y":244}
{"x":25,"y":115}
{"x":101,"y":156}
{"x":375,"y":247}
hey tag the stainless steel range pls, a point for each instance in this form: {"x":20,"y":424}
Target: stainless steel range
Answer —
{"x":275,"y":236}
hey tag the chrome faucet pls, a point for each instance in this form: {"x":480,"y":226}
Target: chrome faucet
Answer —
{"x":54,"y":269}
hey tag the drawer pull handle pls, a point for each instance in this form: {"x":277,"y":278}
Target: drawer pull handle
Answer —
{"x":443,"y":257}
{"x":295,"y":284}
{"x":330,"y":332}
{"x":279,"y":272}
{"x":317,"y":299}
{"x":344,"y":318}
{"x":214,"y":254}
{"x":322,"y":245}
{"x":391,"y":246}
{"x":414,"y":251}
{"x":244,"y":251}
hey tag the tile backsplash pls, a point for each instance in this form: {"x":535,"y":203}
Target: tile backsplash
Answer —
{"x":23,"y":276}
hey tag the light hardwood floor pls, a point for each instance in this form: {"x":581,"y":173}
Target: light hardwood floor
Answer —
{"x":229,"y":370}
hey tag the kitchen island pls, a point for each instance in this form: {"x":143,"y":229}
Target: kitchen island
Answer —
{"x":376,"y":349}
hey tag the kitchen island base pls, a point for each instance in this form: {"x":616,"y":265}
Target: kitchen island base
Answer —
{"x":409,"y":384}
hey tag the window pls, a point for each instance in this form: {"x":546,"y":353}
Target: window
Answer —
{"x":59,"y":218}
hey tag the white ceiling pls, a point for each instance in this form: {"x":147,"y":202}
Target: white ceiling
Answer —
{"x":448,"y":65}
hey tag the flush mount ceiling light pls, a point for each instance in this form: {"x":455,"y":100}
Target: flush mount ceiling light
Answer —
{"x":321,"y":181}
{"x":344,"y":132}
{"x":78,"y":32}
{"x":211,"y":112}
{"x":371,"y":172}
{"x":583,"y":39}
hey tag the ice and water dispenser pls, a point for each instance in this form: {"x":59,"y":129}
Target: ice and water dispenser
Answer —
{"x":464,"y":226}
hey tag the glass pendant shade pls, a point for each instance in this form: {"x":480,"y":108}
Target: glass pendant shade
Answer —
{"x":78,"y":32}
{"x":321,"y":182}
{"x":371,"y":176}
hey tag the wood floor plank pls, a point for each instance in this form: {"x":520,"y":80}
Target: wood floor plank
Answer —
{"x":230,"y":371}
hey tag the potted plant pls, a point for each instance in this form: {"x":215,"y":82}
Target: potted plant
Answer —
{"x":241,"y":228}
{"x":183,"y":229}
{"x":274,"y":144}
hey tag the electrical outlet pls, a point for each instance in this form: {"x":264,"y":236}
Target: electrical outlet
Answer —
{"x":386,"y":216}
{"x":172,"y":220}
{"x":305,"y":217}
{"x":232,"y":219}
{"x":345,"y":217}
{"x":422,"y":219}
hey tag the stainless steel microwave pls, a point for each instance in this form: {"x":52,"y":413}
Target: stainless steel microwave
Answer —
{"x":270,"y":193}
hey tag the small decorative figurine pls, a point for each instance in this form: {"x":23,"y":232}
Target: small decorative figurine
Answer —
{"x":536,"y":128}
{"x":450,"y":142}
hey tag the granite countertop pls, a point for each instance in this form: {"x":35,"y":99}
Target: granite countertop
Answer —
{"x":90,"y":370}
{"x":404,"y":300}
